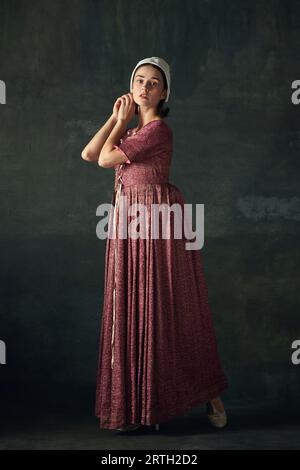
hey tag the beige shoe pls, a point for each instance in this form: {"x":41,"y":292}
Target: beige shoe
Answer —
{"x":215,"y":417}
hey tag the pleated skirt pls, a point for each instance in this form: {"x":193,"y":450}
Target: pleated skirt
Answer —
{"x":158,"y":354}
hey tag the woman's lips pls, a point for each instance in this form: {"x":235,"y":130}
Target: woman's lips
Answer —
{"x":145,"y":97}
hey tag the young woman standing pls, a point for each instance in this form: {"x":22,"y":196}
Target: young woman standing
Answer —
{"x":158,"y":354}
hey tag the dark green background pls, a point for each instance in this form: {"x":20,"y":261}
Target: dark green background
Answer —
{"x":236,"y":149}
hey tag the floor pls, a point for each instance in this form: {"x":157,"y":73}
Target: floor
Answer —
{"x":248,"y":428}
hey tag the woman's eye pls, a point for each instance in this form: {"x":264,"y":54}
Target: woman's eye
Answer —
{"x":152,"y":84}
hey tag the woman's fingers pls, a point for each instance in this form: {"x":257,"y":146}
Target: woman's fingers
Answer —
{"x":126,"y":103}
{"x":125,"y":100}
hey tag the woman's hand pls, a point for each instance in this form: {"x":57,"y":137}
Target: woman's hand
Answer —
{"x":124,"y":107}
{"x":116,"y":108}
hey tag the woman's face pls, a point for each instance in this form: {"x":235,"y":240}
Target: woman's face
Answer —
{"x":148,"y":81}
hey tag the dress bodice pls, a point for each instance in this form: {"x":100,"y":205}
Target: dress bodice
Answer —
{"x":149,"y":151}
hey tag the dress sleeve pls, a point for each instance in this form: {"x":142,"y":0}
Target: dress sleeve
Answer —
{"x":117,"y":147}
{"x":146,"y":143}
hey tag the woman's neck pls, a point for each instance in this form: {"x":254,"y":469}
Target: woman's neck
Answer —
{"x":143,"y":123}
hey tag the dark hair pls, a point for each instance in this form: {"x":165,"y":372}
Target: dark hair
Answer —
{"x":161,"y":110}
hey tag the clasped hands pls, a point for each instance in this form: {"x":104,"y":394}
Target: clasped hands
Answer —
{"x":124,"y":108}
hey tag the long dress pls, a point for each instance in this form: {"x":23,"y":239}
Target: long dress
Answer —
{"x":158,"y":355}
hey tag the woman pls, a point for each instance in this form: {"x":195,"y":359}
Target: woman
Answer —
{"x":158,"y":354}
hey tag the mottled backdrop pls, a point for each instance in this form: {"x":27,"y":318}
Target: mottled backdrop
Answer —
{"x":236,"y":149}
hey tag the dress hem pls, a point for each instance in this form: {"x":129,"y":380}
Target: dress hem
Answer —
{"x":186,"y":408}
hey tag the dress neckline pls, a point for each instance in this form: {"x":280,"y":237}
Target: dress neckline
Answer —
{"x":150,"y":122}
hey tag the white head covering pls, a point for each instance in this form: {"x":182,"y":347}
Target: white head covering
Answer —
{"x":161,"y":63}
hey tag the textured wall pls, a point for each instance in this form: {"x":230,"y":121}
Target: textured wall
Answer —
{"x":236,"y":149}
